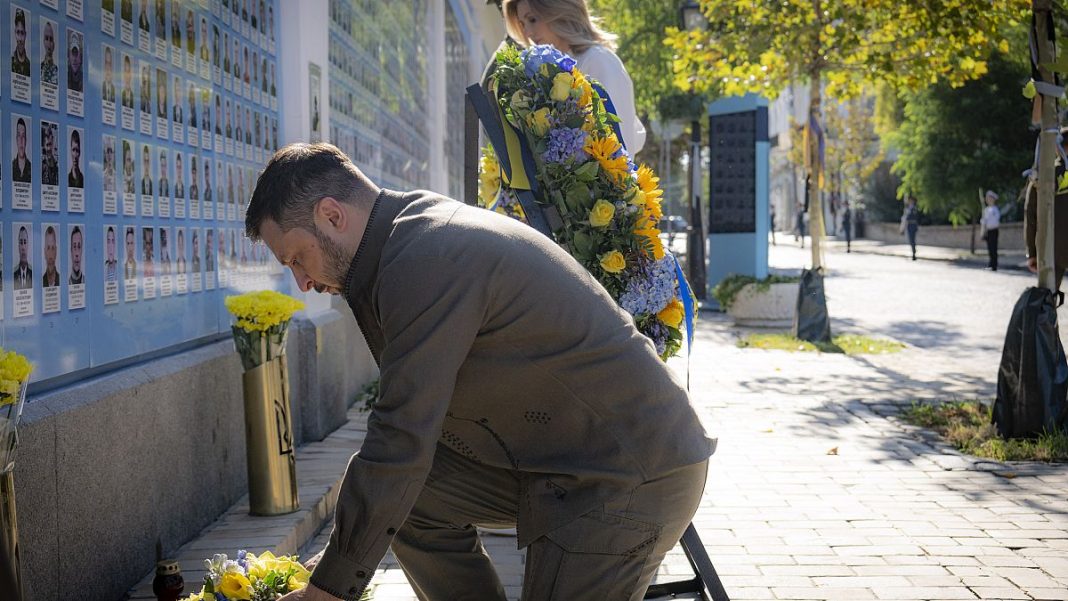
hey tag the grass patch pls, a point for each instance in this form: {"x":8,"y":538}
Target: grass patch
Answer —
{"x":367,"y":395}
{"x":850,"y":344}
{"x":966,"y":425}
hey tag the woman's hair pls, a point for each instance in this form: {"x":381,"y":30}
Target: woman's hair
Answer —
{"x":568,"y":19}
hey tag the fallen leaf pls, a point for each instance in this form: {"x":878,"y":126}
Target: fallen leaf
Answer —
{"x":833,"y":451}
{"x":768,"y":431}
{"x":1006,"y":475}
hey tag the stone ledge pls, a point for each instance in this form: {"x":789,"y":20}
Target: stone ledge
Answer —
{"x":320,"y":467}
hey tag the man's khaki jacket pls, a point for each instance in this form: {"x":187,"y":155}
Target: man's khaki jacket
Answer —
{"x":495,"y":342}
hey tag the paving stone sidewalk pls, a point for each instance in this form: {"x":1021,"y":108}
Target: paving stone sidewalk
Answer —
{"x":817,"y":490}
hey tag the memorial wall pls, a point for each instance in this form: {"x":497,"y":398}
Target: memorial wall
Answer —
{"x":134,"y":132}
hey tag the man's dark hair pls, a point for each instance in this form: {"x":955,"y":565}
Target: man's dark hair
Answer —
{"x":295,"y":179}
{"x":75,"y":137}
{"x":20,"y":17}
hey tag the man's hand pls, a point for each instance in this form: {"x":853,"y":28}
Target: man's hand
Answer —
{"x":1032,"y":264}
{"x":314,"y":561}
{"x":309,"y":594}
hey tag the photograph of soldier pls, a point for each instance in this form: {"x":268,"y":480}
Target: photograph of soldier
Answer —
{"x":49,"y":154}
{"x":77,"y":242}
{"x":75,"y":74}
{"x":23,"y":273}
{"x":107,"y":88}
{"x":50,"y":279}
{"x":75,"y":177}
{"x":49,"y":68}
{"x":20,"y":58}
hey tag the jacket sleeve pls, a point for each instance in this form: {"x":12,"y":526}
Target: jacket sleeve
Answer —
{"x":430,"y":312}
{"x":1030,"y":216}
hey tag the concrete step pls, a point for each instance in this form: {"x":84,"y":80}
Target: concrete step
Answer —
{"x":320,"y":466}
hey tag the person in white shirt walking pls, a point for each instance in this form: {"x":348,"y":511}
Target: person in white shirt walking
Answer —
{"x":991,"y":222}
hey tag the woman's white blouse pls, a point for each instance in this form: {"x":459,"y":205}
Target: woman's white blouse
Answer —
{"x":602,"y":64}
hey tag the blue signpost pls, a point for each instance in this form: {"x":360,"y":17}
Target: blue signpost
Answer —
{"x":738,"y":190}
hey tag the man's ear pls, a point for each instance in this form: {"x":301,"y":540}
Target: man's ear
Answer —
{"x":331,"y":211}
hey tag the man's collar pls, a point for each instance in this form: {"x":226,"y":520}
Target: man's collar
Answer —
{"x":364,"y":266}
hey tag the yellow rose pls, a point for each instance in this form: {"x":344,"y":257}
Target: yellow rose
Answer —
{"x":539,"y":121}
{"x":234,"y":585}
{"x":613,"y":262}
{"x":561,"y":87}
{"x":639,"y":197}
{"x":672,"y":314}
{"x":602,"y":213}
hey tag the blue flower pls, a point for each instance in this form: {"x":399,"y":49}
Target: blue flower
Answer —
{"x":650,"y":287}
{"x":536,"y":56}
{"x":565,"y":143}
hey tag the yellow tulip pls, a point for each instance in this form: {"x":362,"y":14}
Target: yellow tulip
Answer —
{"x":602,"y":213}
{"x":235,"y":585}
{"x":613,"y":262}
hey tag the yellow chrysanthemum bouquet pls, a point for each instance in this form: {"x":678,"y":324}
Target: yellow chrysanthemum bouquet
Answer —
{"x":260,"y":330}
{"x":609,"y":207}
{"x":249,"y":577}
{"x":261,"y":325}
{"x":14,"y":375}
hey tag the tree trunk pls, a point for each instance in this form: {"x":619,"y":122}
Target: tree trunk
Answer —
{"x":1047,"y":148}
{"x":815,"y":168}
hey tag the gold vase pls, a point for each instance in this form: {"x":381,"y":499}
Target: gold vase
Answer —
{"x":269,"y":445}
{"x":10,"y":574}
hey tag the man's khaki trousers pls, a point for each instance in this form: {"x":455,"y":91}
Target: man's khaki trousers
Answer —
{"x":608,"y":554}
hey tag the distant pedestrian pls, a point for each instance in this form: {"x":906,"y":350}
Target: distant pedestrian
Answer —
{"x":847,"y":226}
{"x":771,"y":224}
{"x":910,"y":223}
{"x":991,"y":224}
{"x":799,"y":225}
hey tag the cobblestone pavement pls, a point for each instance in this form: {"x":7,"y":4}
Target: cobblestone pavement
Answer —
{"x":818,"y":491}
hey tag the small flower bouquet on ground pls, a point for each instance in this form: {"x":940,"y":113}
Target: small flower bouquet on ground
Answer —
{"x":262,"y":322}
{"x":610,"y":207}
{"x":251,"y":578}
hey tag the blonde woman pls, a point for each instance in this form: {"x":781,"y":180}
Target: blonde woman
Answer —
{"x":568,"y":25}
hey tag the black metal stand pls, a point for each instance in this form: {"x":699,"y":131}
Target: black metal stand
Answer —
{"x":470,"y":152}
{"x":705,"y":584}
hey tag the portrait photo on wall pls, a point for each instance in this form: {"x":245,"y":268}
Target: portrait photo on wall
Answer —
{"x":22,"y":271}
{"x":76,"y":275}
{"x":21,"y":42}
{"x":49,"y":76}
{"x":129,"y":269}
{"x":75,"y":73}
{"x":50,"y":251}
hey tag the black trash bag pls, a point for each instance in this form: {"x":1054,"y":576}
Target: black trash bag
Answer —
{"x":811,"y":322}
{"x":1033,"y":377}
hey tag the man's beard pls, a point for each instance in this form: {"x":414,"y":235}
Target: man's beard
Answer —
{"x":335,"y":262}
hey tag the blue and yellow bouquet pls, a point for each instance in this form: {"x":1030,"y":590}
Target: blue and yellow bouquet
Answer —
{"x":251,"y":578}
{"x":609,"y":207}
